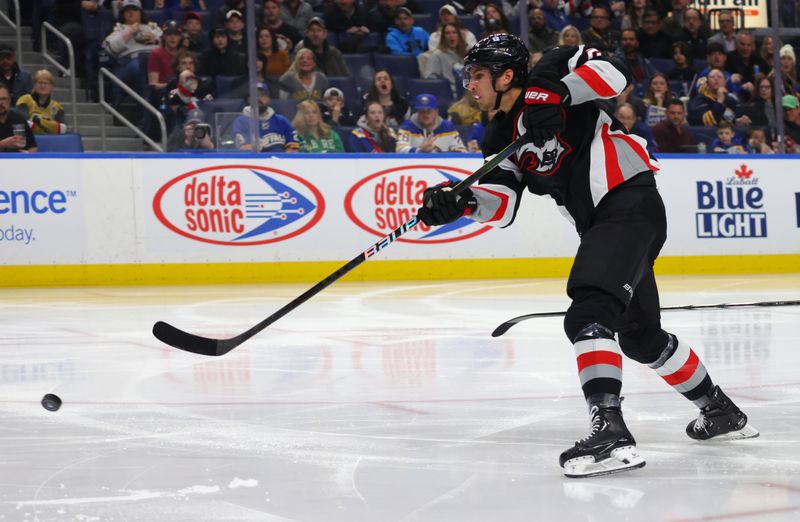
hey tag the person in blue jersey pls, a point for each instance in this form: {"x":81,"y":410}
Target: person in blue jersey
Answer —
{"x":372,"y":133}
{"x":405,"y":37}
{"x":275,"y":132}
{"x":426,"y":131}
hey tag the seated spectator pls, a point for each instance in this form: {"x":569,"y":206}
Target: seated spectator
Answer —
{"x":447,"y":15}
{"x":761,"y":109}
{"x":45,"y":114}
{"x":627,"y":117}
{"x":570,"y":36}
{"x":186,"y":61}
{"x":451,"y":51}
{"x":296,"y":13}
{"x":278,"y":61}
{"x":494,"y":12}
{"x":653,"y":42}
{"x":131,"y":35}
{"x":465,"y":111}
{"x":758,"y":142}
{"x":19,"y":82}
{"x":746,"y":63}
{"x":492,"y":27}
{"x":15,"y":134}
{"x":672,"y":134}
{"x":712,"y":103}
{"x":372,"y":134}
{"x":276,"y":134}
{"x":240,"y":90}
{"x":281,"y":31}
{"x":726,"y":36}
{"x":334,"y":109}
{"x":194,"y":135}
{"x":717,"y":59}
{"x":656,"y":99}
{"x":302,"y":81}
{"x":220,"y":59}
{"x":184,"y":98}
{"x":426,"y":131}
{"x":600,"y":35}
{"x":160,"y":68}
{"x":673,"y":24}
{"x":695,"y":33}
{"x":194,"y":39}
{"x":349,"y":20}
{"x":634,"y":14}
{"x":239,"y":5}
{"x":540,"y":37}
{"x":626,"y":96}
{"x":381,"y":17}
{"x":384,"y":91}
{"x":767,"y":52}
{"x":727,"y":141}
{"x":788,"y":69}
{"x":234,"y":25}
{"x":682,"y":69}
{"x":314,"y":134}
{"x":329,"y":59}
{"x":404,"y":37}
{"x":640,"y":67}
{"x":791,"y":117}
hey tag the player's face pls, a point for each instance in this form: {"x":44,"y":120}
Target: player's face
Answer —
{"x":479,"y":83}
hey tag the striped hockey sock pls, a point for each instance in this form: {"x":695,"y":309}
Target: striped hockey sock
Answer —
{"x":680,"y":367}
{"x":599,"y":366}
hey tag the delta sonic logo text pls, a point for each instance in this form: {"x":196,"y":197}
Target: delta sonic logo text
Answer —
{"x":731,"y":208}
{"x":238,"y":205}
{"x":386,"y":200}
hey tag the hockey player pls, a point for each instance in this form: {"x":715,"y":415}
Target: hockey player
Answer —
{"x":603,"y":180}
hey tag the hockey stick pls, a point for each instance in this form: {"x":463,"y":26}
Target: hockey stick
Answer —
{"x":216,"y":347}
{"x":503,"y":328}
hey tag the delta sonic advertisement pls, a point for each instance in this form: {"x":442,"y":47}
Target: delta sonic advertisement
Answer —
{"x":230,"y":206}
{"x":41,"y":213}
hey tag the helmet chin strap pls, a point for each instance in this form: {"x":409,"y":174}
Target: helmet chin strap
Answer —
{"x":499,"y":93}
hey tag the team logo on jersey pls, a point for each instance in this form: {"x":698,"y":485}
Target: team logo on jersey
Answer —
{"x":238,"y":205}
{"x":386,"y":200}
{"x":543,"y":159}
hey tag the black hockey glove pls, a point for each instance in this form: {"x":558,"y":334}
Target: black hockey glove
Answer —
{"x":546,"y":99}
{"x":441,"y":206}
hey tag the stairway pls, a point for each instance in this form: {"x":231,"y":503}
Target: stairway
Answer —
{"x":119,"y":138}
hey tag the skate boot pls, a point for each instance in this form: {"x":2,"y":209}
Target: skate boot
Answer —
{"x":609,"y":447}
{"x":720,"y":419}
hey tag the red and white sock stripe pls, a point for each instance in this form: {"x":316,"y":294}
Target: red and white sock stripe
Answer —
{"x":682,"y":370}
{"x":598,"y":358}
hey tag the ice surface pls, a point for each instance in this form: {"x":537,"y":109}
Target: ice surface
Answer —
{"x":377,"y":402}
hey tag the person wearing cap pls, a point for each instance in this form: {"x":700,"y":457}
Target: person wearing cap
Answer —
{"x":426,"y":131}
{"x":405,"y":37}
{"x":296,"y":13}
{"x":302,"y":81}
{"x":234,"y":24}
{"x":194,"y":39}
{"x":329,"y":59}
{"x":718,"y":59}
{"x":449,"y":15}
{"x":349,"y":20}
{"x":788,"y":64}
{"x":240,"y":5}
{"x":275,"y":132}
{"x":131,"y":35}
{"x":15,"y":133}
{"x":159,"y":64}
{"x":19,"y":82}
{"x":46,"y":115}
{"x":334,"y":109}
{"x":791,"y":117}
{"x":314,"y":134}
{"x":283,"y":32}
{"x":220,"y":60}
{"x":193,"y":136}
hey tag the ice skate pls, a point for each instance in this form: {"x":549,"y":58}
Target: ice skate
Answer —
{"x":609,"y":448}
{"x":721,"y":419}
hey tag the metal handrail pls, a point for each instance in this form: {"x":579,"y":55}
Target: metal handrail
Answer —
{"x":17,"y":26}
{"x":46,"y":26}
{"x":144,"y":103}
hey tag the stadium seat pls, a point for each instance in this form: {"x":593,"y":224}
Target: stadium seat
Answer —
{"x":344,"y":133}
{"x":156,"y":15}
{"x":431,"y":6}
{"x":333,"y":39}
{"x":225,"y":84}
{"x":677,"y":87}
{"x":699,"y":64}
{"x":662,"y":65}
{"x":472,"y":23}
{"x":362,"y":68}
{"x":398,"y":64}
{"x":427,"y":21}
{"x":347,"y":84}
{"x":437,"y":87}
{"x":59,"y":143}
{"x":286,"y":108}
{"x":704,"y":134}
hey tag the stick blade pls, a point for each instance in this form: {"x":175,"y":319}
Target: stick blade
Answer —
{"x":503,"y":328}
{"x":187,"y":342}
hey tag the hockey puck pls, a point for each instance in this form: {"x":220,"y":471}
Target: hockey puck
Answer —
{"x":51,"y":402}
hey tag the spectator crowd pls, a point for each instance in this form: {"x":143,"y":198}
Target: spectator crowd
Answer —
{"x":385,"y":75}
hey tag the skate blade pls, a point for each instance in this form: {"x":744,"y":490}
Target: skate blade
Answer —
{"x":748,"y":432}
{"x":622,"y":459}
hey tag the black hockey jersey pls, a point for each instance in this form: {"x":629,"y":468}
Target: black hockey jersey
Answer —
{"x":578,"y":167}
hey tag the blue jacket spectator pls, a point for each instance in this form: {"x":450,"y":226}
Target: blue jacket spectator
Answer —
{"x":405,"y":37}
{"x":712,"y":103}
{"x":19,"y":82}
{"x":276,"y":134}
{"x":372,"y":134}
{"x":554,"y":15}
{"x":426,"y":131}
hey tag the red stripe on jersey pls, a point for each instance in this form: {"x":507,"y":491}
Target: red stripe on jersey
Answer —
{"x":599,"y":357}
{"x":686,"y":371}
{"x":501,"y":210}
{"x":638,"y":149}
{"x":595,"y":81}
{"x":613,"y":172}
